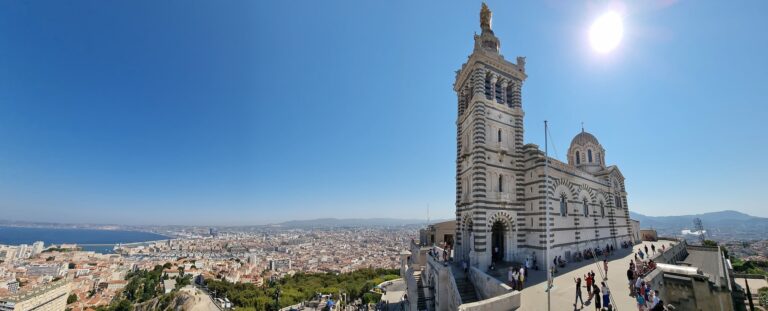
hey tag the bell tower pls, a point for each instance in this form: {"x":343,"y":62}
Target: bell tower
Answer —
{"x":489,"y":159}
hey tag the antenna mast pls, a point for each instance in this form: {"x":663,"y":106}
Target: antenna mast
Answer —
{"x":546,"y":207}
{"x":699,"y":227}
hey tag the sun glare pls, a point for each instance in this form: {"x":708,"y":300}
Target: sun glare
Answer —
{"x":606,"y":32}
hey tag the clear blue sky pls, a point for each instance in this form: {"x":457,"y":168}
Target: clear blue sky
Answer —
{"x":248,"y":112}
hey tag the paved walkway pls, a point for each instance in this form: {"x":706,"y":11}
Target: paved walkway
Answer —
{"x":534,"y":296}
{"x":200,"y":300}
{"x":395,"y":290}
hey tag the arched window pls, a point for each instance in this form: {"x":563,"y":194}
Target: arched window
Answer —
{"x":589,"y":155}
{"x":578,"y":158}
{"x":501,"y":183}
{"x":499,"y":135}
{"x":618,"y":201}
{"x":602,"y":210}
{"x":488,"y":87}
{"x":563,"y":206}
{"x":497,"y":89}
{"x":586,"y":208}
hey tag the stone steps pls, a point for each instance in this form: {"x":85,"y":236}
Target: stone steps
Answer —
{"x":466,"y":290}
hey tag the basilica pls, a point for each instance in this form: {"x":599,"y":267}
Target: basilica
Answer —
{"x":505,"y":186}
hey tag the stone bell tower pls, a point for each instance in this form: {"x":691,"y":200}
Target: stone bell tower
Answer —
{"x":489,"y":143}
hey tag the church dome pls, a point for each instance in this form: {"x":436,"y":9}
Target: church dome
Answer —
{"x":586,"y":152}
{"x":583,"y":138}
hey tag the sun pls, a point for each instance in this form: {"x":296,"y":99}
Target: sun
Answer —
{"x":606,"y":32}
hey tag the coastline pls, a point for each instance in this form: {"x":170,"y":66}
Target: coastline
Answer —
{"x":18,"y":235}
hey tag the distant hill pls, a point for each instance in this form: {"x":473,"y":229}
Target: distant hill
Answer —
{"x":352,"y":222}
{"x":724,"y":225}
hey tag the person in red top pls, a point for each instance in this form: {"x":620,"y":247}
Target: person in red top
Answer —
{"x":588,"y":278}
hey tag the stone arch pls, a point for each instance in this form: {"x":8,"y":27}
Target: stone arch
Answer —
{"x":561,"y":187}
{"x":600,"y":197}
{"x":466,"y":228}
{"x":501,"y":233}
{"x":503,"y":216}
{"x":585,"y":192}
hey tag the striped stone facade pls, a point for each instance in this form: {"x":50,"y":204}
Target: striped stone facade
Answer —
{"x":500,"y":180}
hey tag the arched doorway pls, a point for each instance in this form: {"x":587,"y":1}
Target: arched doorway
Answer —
{"x":498,"y":241}
{"x":466,"y":239}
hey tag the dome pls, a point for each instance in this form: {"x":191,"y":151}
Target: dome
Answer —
{"x":586,"y":152}
{"x":583,"y":138}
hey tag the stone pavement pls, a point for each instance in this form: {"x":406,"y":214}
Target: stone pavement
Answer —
{"x":395,"y":290}
{"x":534,"y":296}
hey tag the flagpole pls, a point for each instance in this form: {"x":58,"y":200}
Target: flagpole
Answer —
{"x":546,"y":207}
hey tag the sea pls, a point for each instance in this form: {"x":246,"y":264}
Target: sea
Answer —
{"x":106,"y":239}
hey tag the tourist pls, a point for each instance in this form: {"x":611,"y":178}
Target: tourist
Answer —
{"x":647,"y":291}
{"x":663,"y":248}
{"x":659,"y":306}
{"x":512,"y":276}
{"x":521,"y":277}
{"x":445,"y":254}
{"x":605,"y":267}
{"x":642,"y":255}
{"x":655,"y":300}
{"x":640,"y":302}
{"x":606,"y":296}
{"x":596,"y":292}
{"x":578,"y":292}
{"x":638,"y":283}
{"x":465,"y":266}
{"x":631,"y":277}
{"x":653,"y":248}
{"x":588,"y":279}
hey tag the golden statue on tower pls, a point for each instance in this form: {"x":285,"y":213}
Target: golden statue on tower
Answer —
{"x":485,"y":17}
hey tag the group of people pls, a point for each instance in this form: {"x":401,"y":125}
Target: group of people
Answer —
{"x":647,"y":298}
{"x":445,"y":255}
{"x":601,"y":295}
{"x":517,"y":276}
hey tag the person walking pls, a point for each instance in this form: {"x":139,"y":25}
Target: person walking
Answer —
{"x":596,"y":292}
{"x":578,"y":292}
{"x":631,"y":278}
{"x":465,"y":266}
{"x":588,"y":279}
{"x":521,"y":277}
{"x":606,"y":295}
{"x":605,"y":267}
{"x":511,"y":278}
{"x":653,"y":248}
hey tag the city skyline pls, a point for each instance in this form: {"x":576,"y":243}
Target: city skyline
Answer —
{"x":281,"y":111}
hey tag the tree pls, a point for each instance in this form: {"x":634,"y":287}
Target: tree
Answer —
{"x":763,"y":296}
{"x":709,"y":243}
{"x":71,"y":299}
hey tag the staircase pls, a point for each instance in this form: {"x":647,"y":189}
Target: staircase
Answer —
{"x":421,"y":301}
{"x":466,"y":289}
